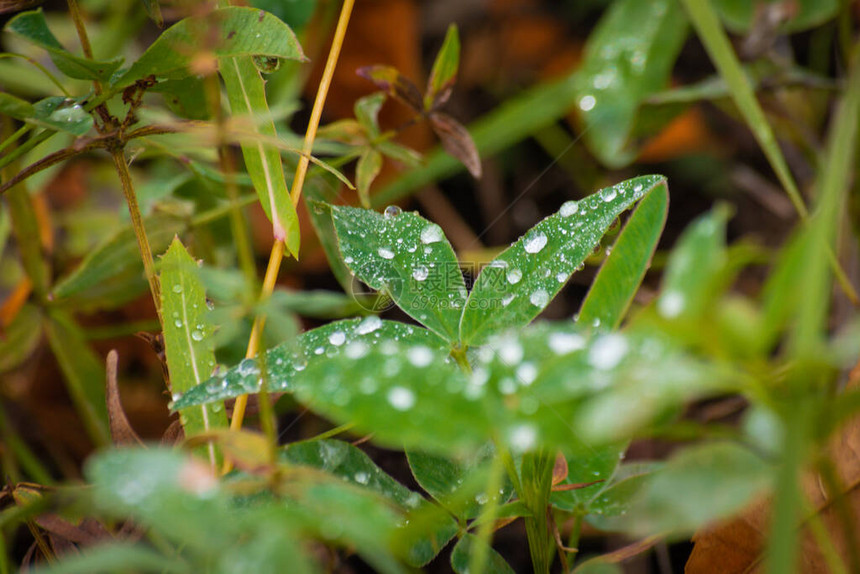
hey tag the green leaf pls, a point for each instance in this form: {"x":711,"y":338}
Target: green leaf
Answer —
{"x":408,"y":258}
{"x":740,"y":15}
{"x":609,"y":509}
{"x":697,"y":486}
{"x":367,"y":113}
{"x":628,"y":57}
{"x":444,"y":73}
{"x":188,"y":340}
{"x":317,"y":191}
{"x":622,"y":272}
{"x":588,"y":465}
{"x":185,"y":97}
{"x":116,"y":557}
{"x":247,"y":94}
{"x":691,"y":276}
{"x":515,"y":287}
{"x":15,"y":107}
{"x":112,"y":269}
{"x":458,"y":485}
{"x":33,"y":27}
{"x":83,"y":372}
{"x":462,"y":553}
{"x":225,"y":33}
{"x":62,"y":114}
{"x":349,"y":463}
{"x":368,"y":167}
{"x":20,"y":338}
{"x":598,"y":565}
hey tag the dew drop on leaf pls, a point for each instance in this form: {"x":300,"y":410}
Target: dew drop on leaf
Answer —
{"x":197,"y":335}
{"x":514,"y":276}
{"x":420,"y":273}
{"x":385,"y":253}
{"x":539,"y":298}
{"x":431,"y":234}
{"x":337,"y":338}
{"x":535,"y":243}
{"x":401,"y":398}
{"x":391,"y":212}
{"x":420,"y":356}
{"x":569,"y":208}
{"x":370,"y":324}
{"x":177,"y":288}
{"x":609,"y":195}
{"x":607,"y":351}
{"x":506,"y":300}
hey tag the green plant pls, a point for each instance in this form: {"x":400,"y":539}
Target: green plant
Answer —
{"x":501,"y":418}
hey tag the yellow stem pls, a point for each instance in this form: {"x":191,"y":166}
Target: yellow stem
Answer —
{"x":298,"y":182}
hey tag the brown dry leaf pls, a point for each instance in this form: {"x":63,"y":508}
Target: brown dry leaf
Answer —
{"x":457,"y":141}
{"x":120,"y":429}
{"x":736,"y":546}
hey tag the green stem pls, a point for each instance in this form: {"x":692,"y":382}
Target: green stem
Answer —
{"x":536,"y":472}
{"x":137,"y":225}
{"x":487,"y":519}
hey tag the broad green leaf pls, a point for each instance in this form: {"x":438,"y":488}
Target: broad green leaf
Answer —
{"x":316,"y":192}
{"x":444,"y":73}
{"x":589,"y":465}
{"x":20,"y":338}
{"x":83,"y":372}
{"x":628,"y":57}
{"x":622,"y":272}
{"x":112,"y":269}
{"x":689,"y":282}
{"x":185,"y":97}
{"x":346,"y":461}
{"x":368,"y":167}
{"x":33,"y":27}
{"x":296,"y":14}
{"x":116,"y":557}
{"x":223,"y":33}
{"x":247,"y":94}
{"x":740,"y":15}
{"x":408,"y":258}
{"x":515,"y":287}
{"x":462,"y":554}
{"x":458,"y":485}
{"x":188,"y":340}
{"x":608,"y":510}
{"x":15,"y":107}
{"x":62,"y":114}
{"x":697,"y":486}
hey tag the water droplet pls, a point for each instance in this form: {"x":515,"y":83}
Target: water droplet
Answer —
{"x":535,"y":243}
{"x":586,"y":103}
{"x":637,"y":188}
{"x":319,"y":350}
{"x":510,"y":352}
{"x":671,"y":304}
{"x":514,"y":276}
{"x":337,"y":338}
{"x":506,"y":300}
{"x":609,"y":194}
{"x":391,"y":212}
{"x":177,"y":288}
{"x":507,"y":386}
{"x":385,"y":253}
{"x":569,"y":208}
{"x":522,"y":437}
{"x":564,"y":343}
{"x":401,"y":398}
{"x":539,"y":298}
{"x":431,"y":234}
{"x":362,"y":477}
{"x":607,"y":351}
{"x":177,"y":323}
{"x":561,"y":277}
{"x":197,"y":335}
{"x":420,"y":273}
{"x":348,"y":259}
{"x":356,"y":349}
{"x":370,"y":324}
{"x":527,"y":373}
{"x":481,"y":498}
{"x":420,"y":356}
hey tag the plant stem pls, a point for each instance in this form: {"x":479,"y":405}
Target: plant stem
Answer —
{"x":536,"y":472}
{"x":487,"y":520}
{"x":137,"y":225}
{"x":277,"y":252}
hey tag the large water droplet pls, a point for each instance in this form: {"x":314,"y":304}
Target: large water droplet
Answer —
{"x":522,"y":437}
{"x":563,"y":343}
{"x":177,"y":288}
{"x":569,"y":208}
{"x":420,"y":273}
{"x":535,"y":243}
{"x":401,"y":398}
{"x":607,"y":351}
{"x":370,"y":324}
{"x":431,"y":234}
{"x":420,"y":356}
{"x":539,"y":298}
{"x":197,"y":335}
{"x":506,"y":300}
{"x":391,"y":212}
{"x":385,"y":253}
{"x":609,"y":195}
{"x":337,"y":338}
{"x":514,"y":276}
{"x":671,"y":304}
